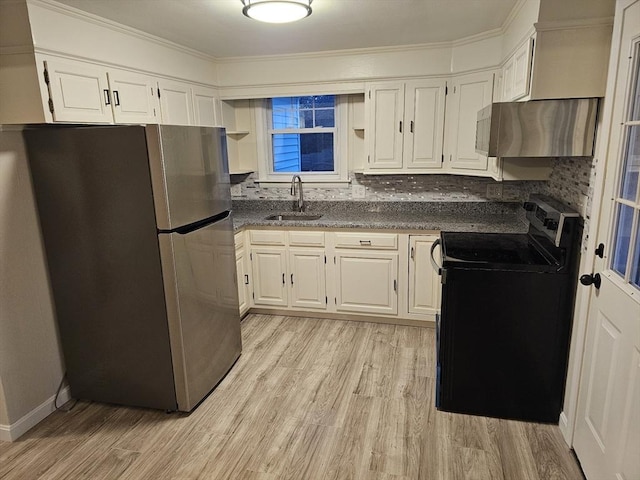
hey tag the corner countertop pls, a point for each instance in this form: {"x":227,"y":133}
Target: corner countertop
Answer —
{"x":489,"y":217}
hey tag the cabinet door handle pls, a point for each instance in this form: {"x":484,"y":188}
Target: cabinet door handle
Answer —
{"x":246,"y":279}
{"x":365,"y":242}
{"x":283,"y":282}
{"x":411,"y":126}
{"x":292,"y":279}
{"x":116,"y":98}
{"x":395,"y":286}
{"x":107,"y":97}
{"x":412,"y":254}
{"x":400,"y":126}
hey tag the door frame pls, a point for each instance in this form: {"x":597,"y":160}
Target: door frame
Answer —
{"x":604,"y":166}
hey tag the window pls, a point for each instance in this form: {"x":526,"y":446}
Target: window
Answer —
{"x":302,"y":136}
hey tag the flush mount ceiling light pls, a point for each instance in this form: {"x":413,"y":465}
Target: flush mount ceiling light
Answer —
{"x":277,"y":11}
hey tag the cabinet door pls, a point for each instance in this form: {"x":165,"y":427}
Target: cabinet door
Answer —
{"x":206,"y":107}
{"x":307,"y":278}
{"x":269,"y":267}
{"x":134,"y":97}
{"x":367,"y":282}
{"x":507,"y":81}
{"x":385,"y":125}
{"x":470,"y":93}
{"x":79,"y":92}
{"x":176,"y":104}
{"x":424,"y":124}
{"x":424,"y":281}
{"x":242,"y":271}
{"x":522,"y":70}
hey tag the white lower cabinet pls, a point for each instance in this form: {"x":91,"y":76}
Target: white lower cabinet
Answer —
{"x":341,"y":272}
{"x":269,"y":269}
{"x":367,"y":282}
{"x":424,"y":281}
{"x":243,"y":272}
{"x":307,"y":278}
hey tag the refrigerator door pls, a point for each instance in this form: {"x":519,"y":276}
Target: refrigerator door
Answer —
{"x":201,"y":294}
{"x":189,"y":173}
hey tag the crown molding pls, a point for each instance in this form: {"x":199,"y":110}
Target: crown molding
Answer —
{"x":117,"y":27}
{"x":512,"y":15}
{"x":573,"y":24}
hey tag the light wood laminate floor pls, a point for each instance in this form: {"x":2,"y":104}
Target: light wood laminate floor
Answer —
{"x":308,"y":399}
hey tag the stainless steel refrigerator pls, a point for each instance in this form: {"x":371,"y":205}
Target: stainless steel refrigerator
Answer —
{"x":137,"y":230}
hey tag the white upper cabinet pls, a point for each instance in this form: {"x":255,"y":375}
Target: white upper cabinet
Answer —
{"x":133,"y":97}
{"x":467,"y":95}
{"x":176,"y":103}
{"x":384,"y":130}
{"x":78,"y":92}
{"x":405,"y":125}
{"x":516,"y":73}
{"x":206,"y":107}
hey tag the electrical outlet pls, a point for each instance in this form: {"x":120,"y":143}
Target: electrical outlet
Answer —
{"x":236,"y":190}
{"x":494,"y":190}
{"x":358,"y":191}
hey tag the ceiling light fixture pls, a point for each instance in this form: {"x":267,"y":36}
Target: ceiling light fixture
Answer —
{"x":277,"y":11}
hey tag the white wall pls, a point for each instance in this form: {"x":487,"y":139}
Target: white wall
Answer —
{"x":30,"y":359}
{"x":98,"y":39}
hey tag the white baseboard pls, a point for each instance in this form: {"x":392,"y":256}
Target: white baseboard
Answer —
{"x":10,"y":433}
{"x":563,"y":423}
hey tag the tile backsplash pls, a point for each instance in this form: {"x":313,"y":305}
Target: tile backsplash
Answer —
{"x":410,"y":188}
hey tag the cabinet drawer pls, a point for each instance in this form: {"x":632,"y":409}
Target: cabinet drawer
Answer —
{"x":267,"y":237}
{"x":384,"y":241}
{"x":306,"y":239}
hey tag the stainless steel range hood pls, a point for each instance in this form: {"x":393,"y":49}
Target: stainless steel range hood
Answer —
{"x":539,"y":128}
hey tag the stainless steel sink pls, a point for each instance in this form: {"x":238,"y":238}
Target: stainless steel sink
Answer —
{"x":293,"y":217}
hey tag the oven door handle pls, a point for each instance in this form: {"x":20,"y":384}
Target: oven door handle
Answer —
{"x":436,"y":267}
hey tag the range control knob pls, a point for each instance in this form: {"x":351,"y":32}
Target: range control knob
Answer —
{"x":529,"y":206}
{"x":551,"y":224}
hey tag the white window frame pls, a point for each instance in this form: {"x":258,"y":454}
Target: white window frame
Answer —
{"x":339,"y":176}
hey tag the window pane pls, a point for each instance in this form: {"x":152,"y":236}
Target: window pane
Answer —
{"x":622,"y":238}
{"x":305,"y":102}
{"x":325,"y":118}
{"x":324,"y":101}
{"x":307,"y":152}
{"x":286,"y":153}
{"x":635,"y":97}
{"x":635,"y":272}
{"x":285,"y":112}
{"x":631,"y":168}
{"x":306,"y":119}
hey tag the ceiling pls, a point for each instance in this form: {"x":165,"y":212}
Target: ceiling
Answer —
{"x":218,"y":27}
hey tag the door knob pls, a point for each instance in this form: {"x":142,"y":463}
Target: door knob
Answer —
{"x":591,"y":279}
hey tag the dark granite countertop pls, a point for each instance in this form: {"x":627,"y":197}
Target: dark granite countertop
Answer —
{"x":495,"y":217}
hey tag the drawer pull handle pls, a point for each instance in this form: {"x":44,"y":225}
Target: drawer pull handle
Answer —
{"x":107,"y":97}
{"x":246,"y":279}
{"x":412,"y":254}
{"x":365,"y":242}
{"x":292,"y":279}
{"x":395,"y":286}
{"x":283,"y":282}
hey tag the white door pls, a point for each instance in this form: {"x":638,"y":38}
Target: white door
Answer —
{"x":307,"y":278}
{"x":424,"y":281}
{"x":468,"y":95}
{"x":385,"y":125}
{"x":206,"y":107}
{"x":269,"y":268}
{"x":607,"y":432}
{"x":424,"y":124}
{"x":176,"y":104}
{"x":367,"y":282}
{"x":134,"y":97}
{"x":79,"y":92}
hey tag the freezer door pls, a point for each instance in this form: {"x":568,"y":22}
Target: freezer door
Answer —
{"x":201,"y":293}
{"x":189,"y":173}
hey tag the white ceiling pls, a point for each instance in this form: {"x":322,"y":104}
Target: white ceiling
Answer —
{"x":218,"y":27}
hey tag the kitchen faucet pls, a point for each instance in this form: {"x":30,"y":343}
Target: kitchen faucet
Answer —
{"x":300,"y":195}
